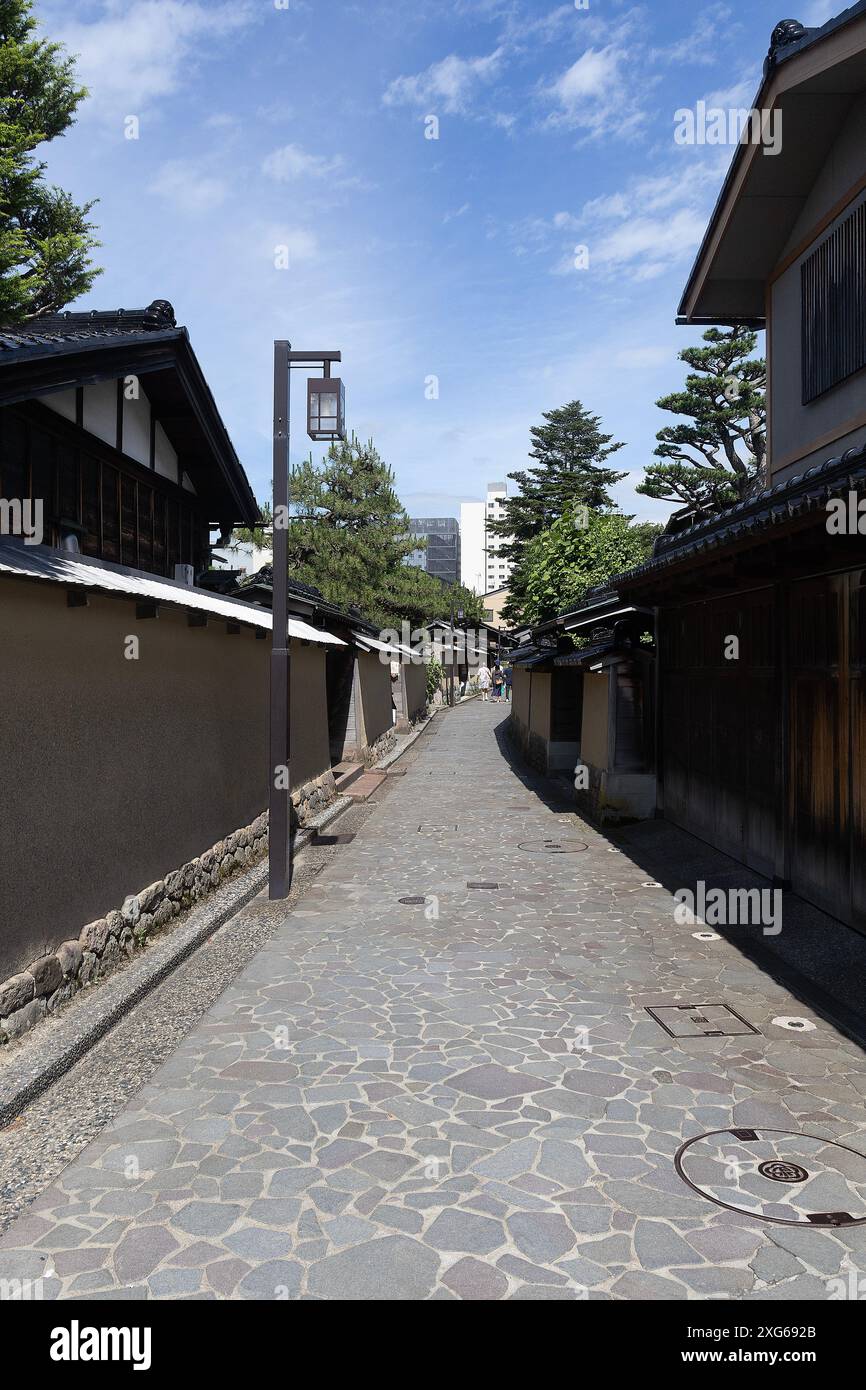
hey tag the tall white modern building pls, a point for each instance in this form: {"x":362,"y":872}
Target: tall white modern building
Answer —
{"x":482,"y":566}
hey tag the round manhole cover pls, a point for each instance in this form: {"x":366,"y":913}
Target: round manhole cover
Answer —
{"x":775,"y":1175}
{"x":560,"y":844}
{"x":782,"y":1172}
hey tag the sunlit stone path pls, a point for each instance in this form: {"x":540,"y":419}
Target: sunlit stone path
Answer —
{"x":465,"y":1096}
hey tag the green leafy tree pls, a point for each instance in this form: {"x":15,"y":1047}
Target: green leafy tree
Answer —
{"x":567,"y":560}
{"x":435,"y":674}
{"x":45,"y":237}
{"x":719,"y":456}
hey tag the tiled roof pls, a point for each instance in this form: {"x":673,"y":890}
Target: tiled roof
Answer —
{"x":597,"y":652}
{"x":63,"y":332}
{"x":796,"y":497}
{"x":264,"y":579}
{"x":785,"y":42}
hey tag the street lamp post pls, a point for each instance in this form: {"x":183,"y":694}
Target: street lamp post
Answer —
{"x":325,"y":420}
{"x":453,"y":644}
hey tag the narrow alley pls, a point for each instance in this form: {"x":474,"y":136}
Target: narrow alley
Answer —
{"x":440,"y":1078}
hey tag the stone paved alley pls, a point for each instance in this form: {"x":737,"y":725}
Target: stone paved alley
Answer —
{"x":466,"y":1096}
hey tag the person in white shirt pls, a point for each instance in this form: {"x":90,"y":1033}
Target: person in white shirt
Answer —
{"x":484,"y":681}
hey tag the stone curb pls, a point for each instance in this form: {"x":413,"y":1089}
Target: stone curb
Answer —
{"x":63,"y":1039}
{"x":409,"y":739}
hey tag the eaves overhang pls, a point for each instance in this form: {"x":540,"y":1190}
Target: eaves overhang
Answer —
{"x":812,"y":80}
{"x":39,"y":367}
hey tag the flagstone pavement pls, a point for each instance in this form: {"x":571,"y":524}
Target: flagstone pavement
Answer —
{"x":462,"y":1097}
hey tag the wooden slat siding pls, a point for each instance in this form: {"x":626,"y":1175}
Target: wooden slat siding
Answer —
{"x":631,"y":741}
{"x":833,"y":307}
{"x":819,"y":742}
{"x":720,"y":725}
{"x":114,"y":505}
{"x":566,"y":713}
{"x":857,"y":779}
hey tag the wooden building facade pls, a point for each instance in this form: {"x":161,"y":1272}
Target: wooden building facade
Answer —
{"x":761,"y":610}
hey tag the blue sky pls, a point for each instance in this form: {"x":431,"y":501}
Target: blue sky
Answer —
{"x":301,"y":124}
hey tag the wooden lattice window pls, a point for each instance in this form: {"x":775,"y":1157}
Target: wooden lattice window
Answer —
{"x":833,"y":296}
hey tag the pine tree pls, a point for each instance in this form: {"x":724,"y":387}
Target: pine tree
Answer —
{"x":721,"y":455}
{"x":571,"y":453}
{"x":45,"y":237}
{"x":348,"y":530}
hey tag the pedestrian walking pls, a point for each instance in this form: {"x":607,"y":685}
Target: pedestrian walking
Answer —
{"x":484,"y":682}
{"x":498,"y":682}
{"x":508,"y":683}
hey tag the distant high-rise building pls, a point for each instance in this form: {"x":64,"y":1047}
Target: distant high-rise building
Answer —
{"x":482,"y":565}
{"x":441,"y":557}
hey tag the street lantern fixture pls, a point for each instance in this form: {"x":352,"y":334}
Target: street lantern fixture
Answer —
{"x":326,"y":408}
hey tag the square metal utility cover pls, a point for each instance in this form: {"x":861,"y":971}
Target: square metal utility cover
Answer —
{"x":700,"y":1021}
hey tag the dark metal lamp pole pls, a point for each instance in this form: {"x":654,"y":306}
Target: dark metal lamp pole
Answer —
{"x":280,"y":793}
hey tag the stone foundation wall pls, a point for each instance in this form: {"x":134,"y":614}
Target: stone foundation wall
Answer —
{"x":48,"y":983}
{"x":372,"y":752}
{"x":310,"y":800}
{"x":26,"y":998}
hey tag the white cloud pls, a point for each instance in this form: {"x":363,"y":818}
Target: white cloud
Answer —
{"x":301,"y":244}
{"x":449,"y":85}
{"x":740,"y":95}
{"x":291,"y":162}
{"x":701,"y":44}
{"x":595,"y":96}
{"x":645,"y":247}
{"x":183,"y":185}
{"x":134,"y":54}
{"x":645,"y":229}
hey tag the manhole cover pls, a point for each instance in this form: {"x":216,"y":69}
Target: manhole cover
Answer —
{"x":412,"y":902}
{"x":776,"y":1175}
{"x":562,"y":845}
{"x":700,"y":1021}
{"x":782,"y":1172}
